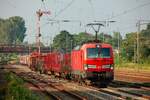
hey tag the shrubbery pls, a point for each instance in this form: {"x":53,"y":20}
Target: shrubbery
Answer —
{"x":16,"y":91}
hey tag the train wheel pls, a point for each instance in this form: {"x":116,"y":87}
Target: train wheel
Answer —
{"x":87,"y":82}
{"x":63,"y":75}
{"x":68,"y":76}
{"x":41,"y":70}
{"x":81,"y":81}
{"x":45,"y":71}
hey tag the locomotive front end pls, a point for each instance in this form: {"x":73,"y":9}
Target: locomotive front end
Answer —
{"x":98,"y":62}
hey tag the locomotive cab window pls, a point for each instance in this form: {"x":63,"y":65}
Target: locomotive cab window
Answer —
{"x":98,"y":52}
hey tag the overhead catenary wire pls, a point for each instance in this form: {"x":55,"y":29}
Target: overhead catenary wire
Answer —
{"x":129,"y":10}
{"x":70,"y":3}
{"x":124,"y":28}
{"x":43,"y":25}
{"x":45,"y":8}
{"x":92,"y":7}
{"x":62,"y":10}
{"x":11,"y":4}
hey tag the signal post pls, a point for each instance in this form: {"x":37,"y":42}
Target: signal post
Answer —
{"x":39,"y":15}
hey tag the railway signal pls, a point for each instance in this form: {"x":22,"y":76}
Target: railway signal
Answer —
{"x":39,"y":15}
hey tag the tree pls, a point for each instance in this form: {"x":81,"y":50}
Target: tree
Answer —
{"x":106,"y":38}
{"x":12,"y":30}
{"x":4,"y":36}
{"x":129,"y":44}
{"x":82,"y":37}
{"x":145,"y":44}
{"x":18,"y":29}
{"x":63,"y":42}
{"x":116,"y":39}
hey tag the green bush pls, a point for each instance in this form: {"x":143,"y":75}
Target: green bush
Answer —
{"x":16,"y":90}
{"x":6,"y":58}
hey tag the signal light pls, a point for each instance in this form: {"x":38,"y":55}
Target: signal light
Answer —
{"x":39,"y":35}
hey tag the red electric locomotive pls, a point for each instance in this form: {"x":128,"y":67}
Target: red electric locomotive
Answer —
{"x":93,"y":61}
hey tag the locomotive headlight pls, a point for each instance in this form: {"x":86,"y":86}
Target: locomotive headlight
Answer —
{"x":106,"y":66}
{"x":112,"y":67}
{"x":85,"y":66}
{"x":91,"y":66}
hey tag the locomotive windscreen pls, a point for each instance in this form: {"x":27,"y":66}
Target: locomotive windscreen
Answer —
{"x":98,"y":52}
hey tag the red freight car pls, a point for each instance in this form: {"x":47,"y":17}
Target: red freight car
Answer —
{"x":37,"y":61}
{"x":47,"y":62}
{"x":57,"y":63}
{"x":25,"y":60}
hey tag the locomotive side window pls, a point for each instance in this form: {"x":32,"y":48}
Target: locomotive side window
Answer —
{"x":98,"y":53}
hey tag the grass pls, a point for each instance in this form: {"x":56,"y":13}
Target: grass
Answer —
{"x":15,"y":89}
{"x":133,"y":66}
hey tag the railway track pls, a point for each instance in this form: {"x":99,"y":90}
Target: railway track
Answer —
{"x":52,"y":88}
{"x":112,"y":93}
{"x":49,"y":86}
{"x":117,"y":84}
{"x":132,"y":77}
{"x":60,"y":89}
{"x":131,"y":88}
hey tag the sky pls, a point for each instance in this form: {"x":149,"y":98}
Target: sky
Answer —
{"x":125,"y":13}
